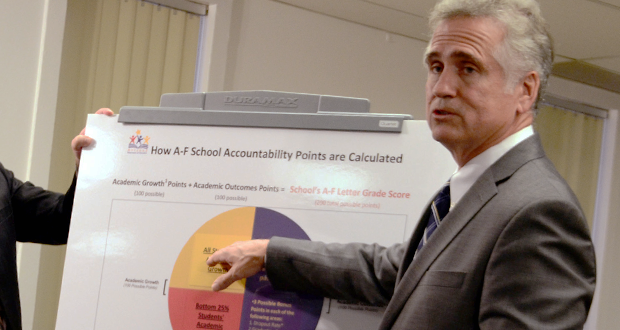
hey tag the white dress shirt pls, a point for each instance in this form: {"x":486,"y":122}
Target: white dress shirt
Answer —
{"x":466,"y":176}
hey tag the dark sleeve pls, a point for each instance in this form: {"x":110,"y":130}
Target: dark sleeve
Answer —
{"x":355,"y":272}
{"x":541,"y":274}
{"x":41,"y":216}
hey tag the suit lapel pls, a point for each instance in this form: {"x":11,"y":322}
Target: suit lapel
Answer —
{"x":483,"y":190}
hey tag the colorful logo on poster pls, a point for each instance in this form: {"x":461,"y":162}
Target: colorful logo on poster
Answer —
{"x":138,"y":144}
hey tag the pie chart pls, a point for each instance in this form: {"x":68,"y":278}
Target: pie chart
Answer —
{"x":250,"y":304}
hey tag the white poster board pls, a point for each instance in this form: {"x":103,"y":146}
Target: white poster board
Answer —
{"x":154,"y":201}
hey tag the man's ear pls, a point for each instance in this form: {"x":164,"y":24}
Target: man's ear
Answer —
{"x":528,"y":91}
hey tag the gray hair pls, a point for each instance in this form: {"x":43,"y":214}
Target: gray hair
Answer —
{"x":527,"y":43}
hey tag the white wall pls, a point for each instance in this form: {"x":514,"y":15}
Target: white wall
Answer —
{"x":609,"y":287}
{"x":18,"y":69}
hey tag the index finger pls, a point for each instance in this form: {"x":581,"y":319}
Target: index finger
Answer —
{"x":224,"y":281}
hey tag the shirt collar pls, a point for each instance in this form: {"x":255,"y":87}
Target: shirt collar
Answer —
{"x":465,"y":177}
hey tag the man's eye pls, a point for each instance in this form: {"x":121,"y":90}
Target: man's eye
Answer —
{"x":436,"y":69}
{"x":469,"y":69}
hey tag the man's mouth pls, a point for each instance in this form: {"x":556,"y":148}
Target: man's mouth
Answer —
{"x":441,"y":112}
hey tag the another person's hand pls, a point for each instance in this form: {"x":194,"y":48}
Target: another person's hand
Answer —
{"x":82,"y":141}
{"x":241,"y":260}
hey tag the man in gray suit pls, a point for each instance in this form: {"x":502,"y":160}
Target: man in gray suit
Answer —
{"x":513,"y":250}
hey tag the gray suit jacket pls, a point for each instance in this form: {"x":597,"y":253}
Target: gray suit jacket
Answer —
{"x":514,"y":253}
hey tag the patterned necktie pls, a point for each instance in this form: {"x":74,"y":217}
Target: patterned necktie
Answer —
{"x":439,"y":208}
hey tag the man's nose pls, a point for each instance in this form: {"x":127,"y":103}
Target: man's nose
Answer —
{"x":446,"y":84}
